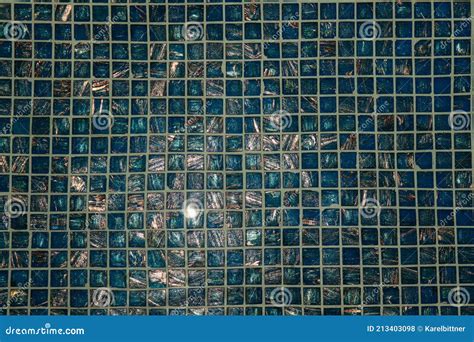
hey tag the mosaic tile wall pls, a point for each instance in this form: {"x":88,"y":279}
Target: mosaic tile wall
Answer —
{"x":236,"y":158}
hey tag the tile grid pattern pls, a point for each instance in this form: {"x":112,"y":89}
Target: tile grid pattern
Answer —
{"x":266,"y":146}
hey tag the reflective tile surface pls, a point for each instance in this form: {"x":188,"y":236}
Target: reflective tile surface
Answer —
{"x":236,"y":158}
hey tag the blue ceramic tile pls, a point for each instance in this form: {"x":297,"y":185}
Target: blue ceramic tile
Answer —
{"x":235,"y":158}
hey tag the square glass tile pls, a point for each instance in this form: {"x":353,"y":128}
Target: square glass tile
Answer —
{"x":236,"y":158}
